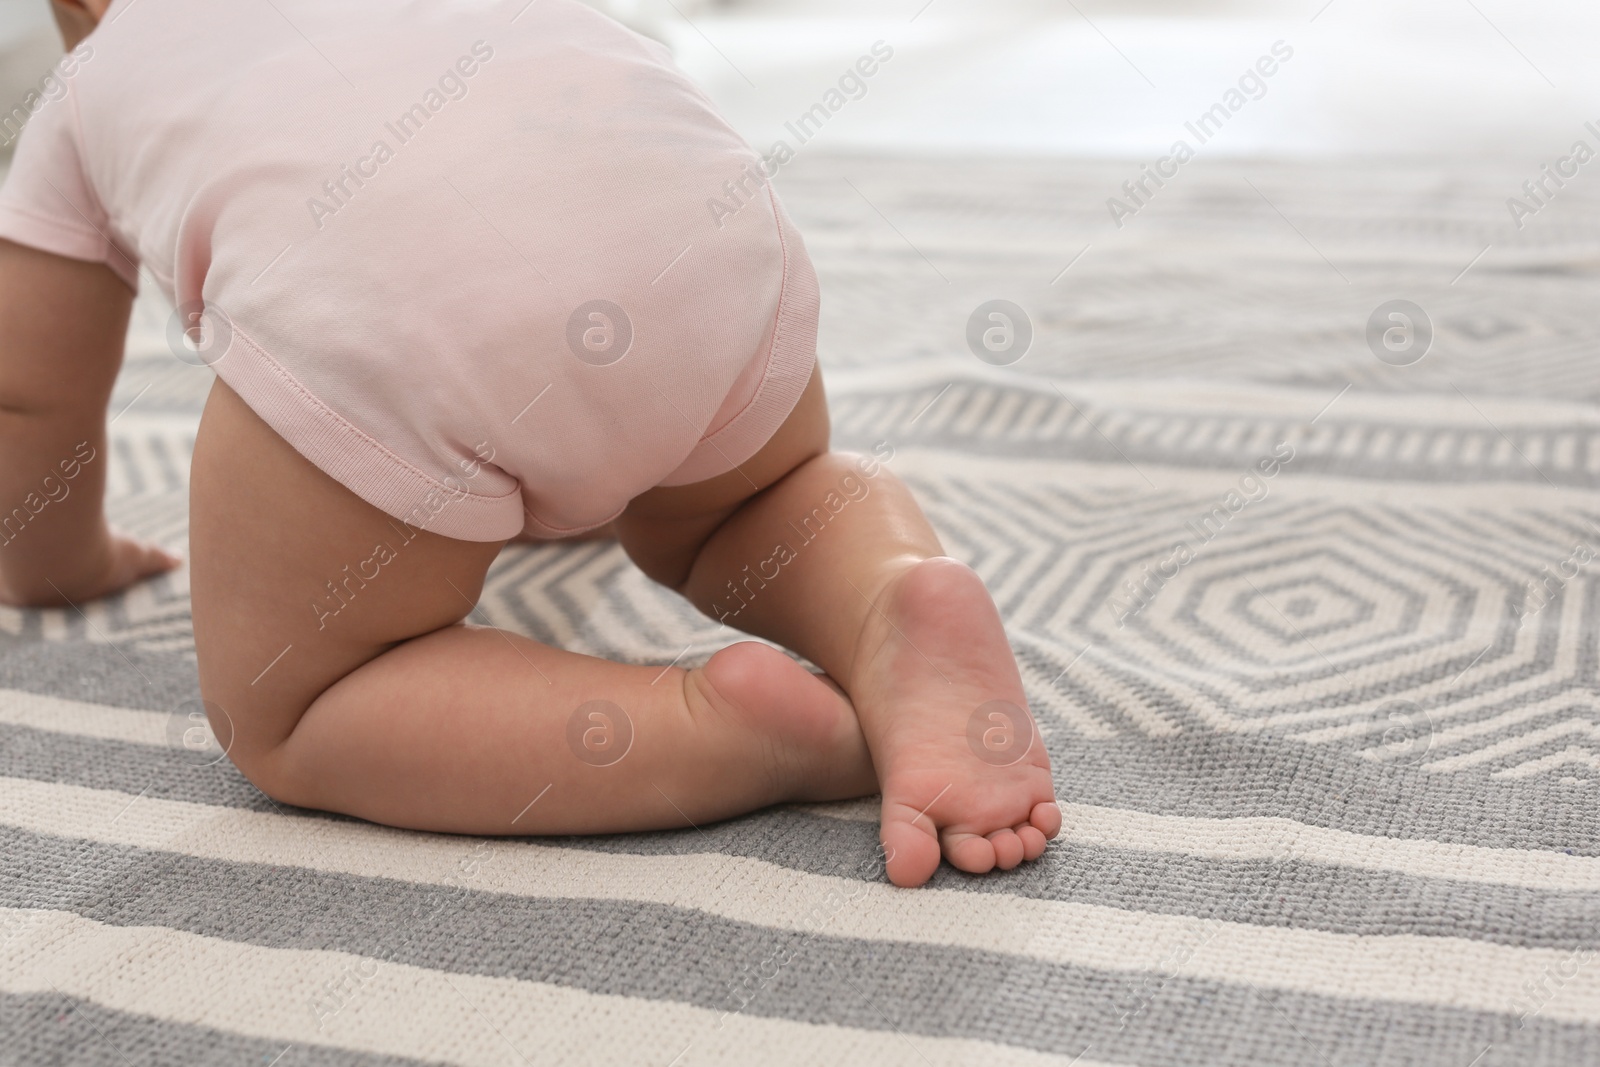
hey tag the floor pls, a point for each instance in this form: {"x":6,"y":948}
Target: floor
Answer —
{"x":1329,"y":777}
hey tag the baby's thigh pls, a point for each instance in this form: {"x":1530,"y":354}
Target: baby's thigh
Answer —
{"x":296,"y":581}
{"x":663,"y":529}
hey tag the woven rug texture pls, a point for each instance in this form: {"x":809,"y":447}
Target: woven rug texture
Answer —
{"x":1310,"y":625}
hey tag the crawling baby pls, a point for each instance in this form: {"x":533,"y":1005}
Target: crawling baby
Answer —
{"x":455,"y":273}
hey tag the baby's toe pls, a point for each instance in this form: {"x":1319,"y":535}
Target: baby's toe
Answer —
{"x":911,"y":853}
{"x":1008,"y":848}
{"x":1047,"y":818}
{"x":1033,"y":842}
{"x":968,"y":852}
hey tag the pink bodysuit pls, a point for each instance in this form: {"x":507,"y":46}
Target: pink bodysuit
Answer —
{"x":493,"y":266}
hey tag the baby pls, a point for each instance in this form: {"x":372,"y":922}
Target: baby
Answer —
{"x":484,"y":270}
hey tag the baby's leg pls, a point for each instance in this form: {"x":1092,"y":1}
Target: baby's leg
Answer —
{"x":391,"y":710}
{"x":844,"y":568}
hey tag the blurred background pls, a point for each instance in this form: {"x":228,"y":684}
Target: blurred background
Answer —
{"x":1117,"y":77}
{"x":1111,"y":77}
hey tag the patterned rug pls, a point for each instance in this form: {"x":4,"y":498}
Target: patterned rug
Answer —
{"x":1306,"y":600}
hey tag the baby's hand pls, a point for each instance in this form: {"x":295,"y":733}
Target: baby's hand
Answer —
{"x":121,"y":562}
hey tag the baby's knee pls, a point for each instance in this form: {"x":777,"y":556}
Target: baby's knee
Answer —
{"x":272,"y":771}
{"x":251,"y":729}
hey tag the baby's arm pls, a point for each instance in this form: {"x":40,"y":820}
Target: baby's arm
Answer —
{"x":62,"y":323}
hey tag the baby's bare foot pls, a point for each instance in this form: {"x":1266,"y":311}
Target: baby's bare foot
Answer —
{"x":962,"y":768}
{"x":803,"y":730}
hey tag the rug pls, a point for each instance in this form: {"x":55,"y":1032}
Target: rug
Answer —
{"x":1285,"y":485}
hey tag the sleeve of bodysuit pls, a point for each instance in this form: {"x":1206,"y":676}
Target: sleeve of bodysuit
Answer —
{"x":47,"y":201}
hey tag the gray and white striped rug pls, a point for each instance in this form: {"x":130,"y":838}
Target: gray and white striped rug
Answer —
{"x":1331,"y":777}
